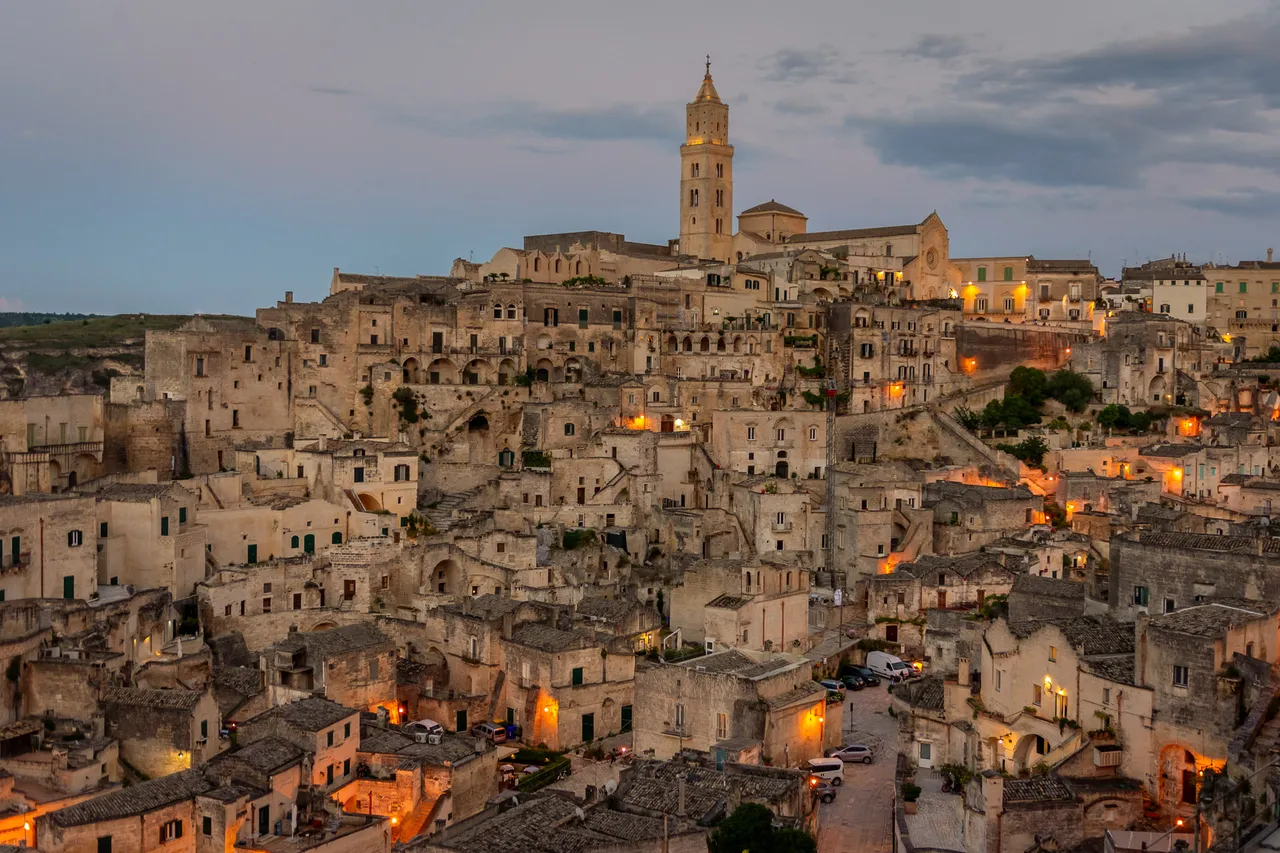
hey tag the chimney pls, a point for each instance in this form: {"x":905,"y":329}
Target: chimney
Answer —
{"x":288,"y":296}
{"x":963,"y":675}
{"x":1269,"y":253}
{"x":680,"y":796}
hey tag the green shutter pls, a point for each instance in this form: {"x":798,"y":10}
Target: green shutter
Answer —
{"x":1217,"y":287}
{"x":69,"y":586}
{"x":1244,"y":287}
{"x":252,"y":556}
{"x":164,"y":525}
{"x":1008,"y":273}
{"x":182,"y":515}
{"x":982,"y":273}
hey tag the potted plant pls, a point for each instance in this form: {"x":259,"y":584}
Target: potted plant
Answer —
{"x":910,"y":793}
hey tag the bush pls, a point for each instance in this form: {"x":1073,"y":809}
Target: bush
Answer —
{"x":1030,"y":450}
{"x":910,"y":792}
{"x":577,"y":538}
{"x":536,"y":459}
{"x":1071,"y":389}
{"x":407,"y":403}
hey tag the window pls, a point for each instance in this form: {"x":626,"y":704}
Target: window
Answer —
{"x":75,"y":538}
{"x":1244,"y":287}
{"x":1106,"y":696}
{"x":1217,"y":287}
{"x":104,"y":844}
{"x":206,"y":825}
{"x":1181,"y":676}
{"x":751,"y":433}
{"x":297,"y":601}
{"x":1053,"y":653}
{"x":358,"y":475}
{"x":346,"y":767}
{"x":170,"y":831}
{"x":346,"y":730}
{"x":570,"y":429}
{"x":782,"y":434}
{"x":1008,"y":273}
{"x":199,"y":372}
{"x":577,"y":675}
{"x":679,"y":716}
{"x":1140,"y":594}
{"x":722,"y":726}
{"x":164,"y":525}
{"x":982,"y":273}
{"x":813,"y":433}
{"x":102,"y":530}
{"x":235,"y":418}
{"x":1037,"y":695}
{"x":719,"y":170}
{"x":999,"y":680}
{"x":1170,"y":605}
{"x":402,"y":473}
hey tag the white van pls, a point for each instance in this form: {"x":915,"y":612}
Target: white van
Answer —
{"x":889,"y":666}
{"x":827,"y":769}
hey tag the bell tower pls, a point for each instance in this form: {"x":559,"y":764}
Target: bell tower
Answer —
{"x":706,"y":177}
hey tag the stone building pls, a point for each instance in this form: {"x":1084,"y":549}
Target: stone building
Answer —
{"x":163,"y":731}
{"x":50,"y":443}
{"x":745,"y":700}
{"x":148,"y":535}
{"x":967,"y":517}
{"x":47,"y":547}
{"x":352,"y":666}
{"x":328,"y":732}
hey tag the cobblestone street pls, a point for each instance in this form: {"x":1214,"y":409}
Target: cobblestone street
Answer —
{"x":859,"y":819}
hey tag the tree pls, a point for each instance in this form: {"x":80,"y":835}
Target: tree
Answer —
{"x":1030,"y":383}
{"x":750,"y":830}
{"x":1030,"y":451}
{"x":1114,"y":417}
{"x":1073,"y":390}
{"x":1141,"y":421}
{"x":968,"y":418}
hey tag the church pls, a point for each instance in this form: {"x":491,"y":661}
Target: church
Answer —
{"x":917,"y":255}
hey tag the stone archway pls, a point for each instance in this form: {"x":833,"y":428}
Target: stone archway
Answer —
{"x":1030,"y":751}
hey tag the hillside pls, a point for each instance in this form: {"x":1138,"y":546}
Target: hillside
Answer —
{"x":78,"y":355}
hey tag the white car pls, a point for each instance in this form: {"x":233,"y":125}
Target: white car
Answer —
{"x":853,"y":753}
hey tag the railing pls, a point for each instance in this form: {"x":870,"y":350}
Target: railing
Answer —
{"x":782,"y":527}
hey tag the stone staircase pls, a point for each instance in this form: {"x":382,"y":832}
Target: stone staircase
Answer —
{"x":443,"y":515}
{"x":414,"y":822}
{"x":1268,"y":737}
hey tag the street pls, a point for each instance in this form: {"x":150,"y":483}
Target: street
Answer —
{"x":860,"y":819}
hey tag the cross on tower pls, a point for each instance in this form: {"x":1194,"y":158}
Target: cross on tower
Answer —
{"x":708,"y":65}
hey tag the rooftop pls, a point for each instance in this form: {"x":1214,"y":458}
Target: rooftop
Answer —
{"x":1092,"y":635}
{"x":265,"y":756}
{"x":547,"y":639}
{"x":1210,"y":619}
{"x":313,"y":714}
{"x":1047,"y":587}
{"x":771,"y":206}
{"x":1210,"y":542}
{"x":334,"y":641}
{"x":138,"y":697}
{"x":741,"y":665}
{"x":1037,"y":789}
{"x":137,"y":799}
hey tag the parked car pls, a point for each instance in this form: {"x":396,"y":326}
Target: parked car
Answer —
{"x":827,"y":769}
{"x":490,"y":732}
{"x":824,"y":791}
{"x":853,"y":682}
{"x":832,"y":685}
{"x":890,"y":666}
{"x":853,"y":752}
{"x":869,"y":678}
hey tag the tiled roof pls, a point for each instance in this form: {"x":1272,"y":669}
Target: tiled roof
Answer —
{"x":548,"y":639}
{"x":923,"y":693}
{"x":1093,"y":635}
{"x":266,"y":755}
{"x":333,"y":641}
{"x":312,"y":715}
{"x":1210,"y":619}
{"x":1210,"y":542}
{"x":1047,"y":587}
{"x":1117,"y":668}
{"x":855,"y":234}
{"x":728,"y":602}
{"x":133,"y":492}
{"x":810,"y":691}
{"x":245,"y":680}
{"x":135,"y":800}
{"x":521,"y":827}
{"x":771,"y":206}
{"x":963,"y":565}
{"x":487,"y":606}
{"x":608,"y":609}
{"x":1170,"y":451}
{"x":138,"y":697}
{"x":739,"y":664}
{"x":1037,"y":789}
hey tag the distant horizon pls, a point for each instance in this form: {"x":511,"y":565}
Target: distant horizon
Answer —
{"x":145,"y":171}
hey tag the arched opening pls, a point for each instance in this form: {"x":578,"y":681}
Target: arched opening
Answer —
{"x":477,"y":372}
{"x":1030,"y":751}
{"x":71,"y":480}
{"x":705,"y":344}
{"x":336,"y":539}
{"x":369,"y":502}
{"x":542,"y":372}
{"x":668,"y":423}
{"x":295,"y":542}
{"x":511,"y":311}
{"x":309,"y":543}
{"x":442,"y":371}
{"x":445,"y":578}
{"x":572,"y":370}
{"x":323,"y":626}
{"x":782,"y":469}
{"x":720,"y":345}
{"x":737,"y":343}
{"x":412,"y":371}
{"x":687,"y":344}
{"x":673,"y":345}
{"x":506,"y":372}
{"x":1156,"y":389}
{"x":479,"y":422}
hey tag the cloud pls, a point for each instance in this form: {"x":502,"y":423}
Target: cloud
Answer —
{"x":1244,"y":201}
{"x":797,"y":65}
{"x":938,"y":46}
{"x":620,"y":122}
{"x":799,"y":108}
{"x":332,"y":90}
{"x":1103,"y":117}
{"x":10,"y":304}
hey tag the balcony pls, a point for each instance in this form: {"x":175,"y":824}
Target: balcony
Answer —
{"x":782,"y":527}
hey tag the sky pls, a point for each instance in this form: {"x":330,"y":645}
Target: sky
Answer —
{"x":183,"y":157}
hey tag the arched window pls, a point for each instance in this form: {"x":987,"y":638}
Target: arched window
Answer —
{"x":557,"y":265}
{"x":294,"y":542}
{"x":788,"y":580}
{"x":577,"y":267}
{"x":511,"y":312}
{"x":337,"y":537}
{"x":748,"y":581}
{"x":570,"y":429}
{"x":537,"y":264}
{"x":497,"y":312}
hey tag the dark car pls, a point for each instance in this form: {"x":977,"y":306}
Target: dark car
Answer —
{"x":853,"y":682}
{"x":869,"y":678}
{"x":824,"y":791}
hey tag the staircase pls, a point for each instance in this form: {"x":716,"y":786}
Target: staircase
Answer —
{"x":441,"y":515}
{"x":413,"y":822}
